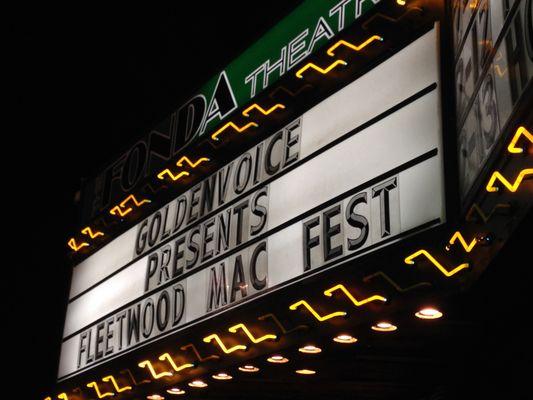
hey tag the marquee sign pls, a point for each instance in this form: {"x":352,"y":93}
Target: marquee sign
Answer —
{"x":309,"y":27}
{"x":494,"y":66}
{"x":353,"y":174}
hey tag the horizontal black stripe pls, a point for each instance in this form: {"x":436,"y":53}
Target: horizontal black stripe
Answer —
{"x":358,"y":129}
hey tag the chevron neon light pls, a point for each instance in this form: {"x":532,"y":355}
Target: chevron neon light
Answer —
{"x":197,"y":384}
{"x":62,"y":396}
{"x":458,"y":236}
{"x":191,"y":164}
{"x":119,"y":208}
{"x":248,"y":368}
{"x":329,"y":293}
{"x":521,"y":131}
{"x":76,"y":247}
{"x":168,"y":172}
{"x":512,"y":187}
{"x":486,"y":217}
{"x":215,"y":135}
{"x":148,"y":364}
{"x":100,"y":395}
{"x":166,"y":357}
{"x":384,"y":327}
{"x":323,"y":71}
{"x":175,"y":391}
{"x":280,"y":325}
{"x":88,"y":231}
{"x":393,"y":283}
{"x":320,"y":318}
{"x":345,"y":339}
{"x":215,"y":337}
{"x":305,"y":371}
{"x":428,"y":313}
{"x":257,"y":107}
{"x":269,"y":336}
{"x":445,"y":272}
{"x":310,"y":349}
{"x":111,"y":379}
{"x":222,"y":376}
{"x":277,"y":359}
{"x":352,"y":46}
{"x":197,"y":354}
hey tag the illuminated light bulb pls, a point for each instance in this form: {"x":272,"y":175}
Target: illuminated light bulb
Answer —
{"x":222,"y":376}
{"x":277,"y":359}
{"x":241,"y":129}
{"x":269,"y":336}
{"x":428,"y":313}
{"x":305,"y":371}
{"x":323,"y":71}
{"x":319,"y":317}
{"x":197,"y":383}
{"x":76,"y":247}
{"x":248,"y":368}
{"x":344,"y":338}
{"x":100,"y":395}
{"x":256,"y":106}
{"x":155,"y":397}
{"x":176,"y":391}
{"x":384,"y":327}
{"x":310,"y":349}
{"x":401,"y":2}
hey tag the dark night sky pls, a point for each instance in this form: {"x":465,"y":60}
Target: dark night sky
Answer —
{"x":83,"y":81}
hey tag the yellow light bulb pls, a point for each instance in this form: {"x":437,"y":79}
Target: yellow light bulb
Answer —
{"x":305,"y":371}
{"x":310,"y":349}
{"x":344,"y":338}
{"x":248,"y":368}
{"x":428,"y":313}
{"x":277,"y":359}
{"x":384,"y":327}
{"x":222,"y":376}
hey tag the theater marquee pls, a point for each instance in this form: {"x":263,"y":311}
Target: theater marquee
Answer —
{"x":353,"y":174}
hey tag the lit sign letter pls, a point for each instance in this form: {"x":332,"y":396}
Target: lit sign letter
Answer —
{"x":382,"y":190}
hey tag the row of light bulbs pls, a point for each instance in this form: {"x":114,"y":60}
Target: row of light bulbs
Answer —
{"x":343,"y":338}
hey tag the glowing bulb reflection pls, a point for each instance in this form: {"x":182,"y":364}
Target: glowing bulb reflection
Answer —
{"x":175,"y":391}
{"x":222,"y":376}
{"x":428,"y":313}
{"x":277,"y":359}
{"x":248,"y":368}
{"x":384,"y":327}
{"x":197,"y":383}
{"x":344,"y":338}
{"x":310,"y":349}
{"x":305,"y":371}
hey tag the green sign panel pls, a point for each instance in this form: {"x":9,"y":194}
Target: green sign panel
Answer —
{"x":309,"y":27}
{"x":300,"y":34}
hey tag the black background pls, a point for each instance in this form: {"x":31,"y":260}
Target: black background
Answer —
{"x":84,"y":81}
